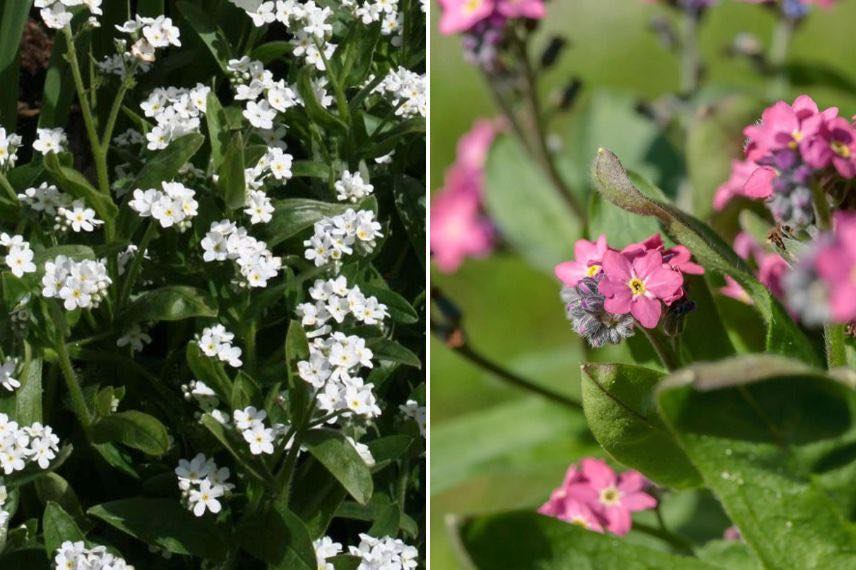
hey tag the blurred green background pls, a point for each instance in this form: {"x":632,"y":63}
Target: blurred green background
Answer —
{"x":492,"y":447}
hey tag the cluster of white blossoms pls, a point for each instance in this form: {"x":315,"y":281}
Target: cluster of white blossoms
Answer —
{"x":128,"y":138}
{"x":4,"y":514}
{"x":276,"y":164}
{"x":121,"y":63}
{"x":45,"y":198}
{"x":76,"y":556}
{"x":56,"y":14}
{"x":251,"y":423}
{"x":50,"y":141}
{"x":309,"y":23}
{"x":334,"y":300}
{"x":325,"y":549}
{"x":226,"y":240}
{"x":148,"y":35}
{"x":8,"y":371}
{"x":77,"y":218}
{"x":337,"y":236}
{"x":19,"y":256}
{"x":264,"y":96}
{"x":20,"y":446}
{"x":80,"y":284}
{"x":216,"y":341}
{"x":352,"y":188}
{"x":412,"y":410}
{"x":9,"y":144}
{"x":332,"y":369}
{"x":135,"y":338}
{"x":202,"y":484}
{"x":176,"y":111}
{"x":384,"y":553}
{"x":371,"y":11}
{"x":175,"y":205}
{"x":407,"y":90}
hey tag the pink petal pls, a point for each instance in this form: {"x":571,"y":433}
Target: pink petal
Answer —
{"x":599,"y":474}
{"x":618,"y":520}
{"x":647,"y":311}
{"x":647,"y":264}
{"x":616,"y":266}
{"x":638,"y":501}
{"x":621,"y":300}
{"x":569,"y":273}
{"x":631,"y":481}
{"x":664,"y":282}
{"x":760,"y":184}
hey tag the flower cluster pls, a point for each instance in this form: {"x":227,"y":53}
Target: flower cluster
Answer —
{"x":217,"y":341}
{"x":345,"y":234}
{"x":331,"y":369}
{"x":325,"y":549}
{"x":80,"y":284}
{"x":371,"y":11}
{"x":148,"y":34}
{"x":822,"y":284}
{"x":594,"y":497}
{"x":77,"y":218}
{"x":383,"y":553}
{"x":225,"y":240}
{"x":19,"y":446}
{"x":77,"y":556}
{"x":466,"y":15}
{"x":202,"y":484}
{"x":607,"y":291}
{"x":50,"y":141}
{"x":352,"y":188}
{"x":771,"y":268}
{"x":45,"y":198}
{"x":795,"y":9}
{"x":794,"y":149}
{"x":174,"y":206}
{"x":56,"y":13}
{"x":334,"y":300}
{"x":9,"y":144}
{"x":407,"y":90}
{"x":459,"y":227}
{"x":19,"y":256}
{"x":205,"y":397}
{"x":265,"y":97}
{"x":251,"y":423}
{"x":176,"y":112}
{"x":412,"y":410}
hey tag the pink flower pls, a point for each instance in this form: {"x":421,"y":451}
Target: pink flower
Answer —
{"x":532,"y":9}
{"x":731,"y":533}
{"x":760,"y":185}
{"x":461,"y":15}
{"x":741,"y":170}
{"x":615,"y":497}
{"x":784,"y":126}
{"x":458,"y":227}
{"x":474,"y":146}
{"x":637,"y":286}
{"x":565,"y":505}
{"x":734,"y":290}
{"x":835,"y":145}
{"x":771,"y":269}
{"x":586,"y":263}
{"x":836,"y":265}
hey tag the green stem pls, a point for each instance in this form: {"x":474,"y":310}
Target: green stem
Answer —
{"x":663,"y":348}
{"x":778,"y":56}
{"x":134,"y":269}
{"x":833,"y":334}
{"x":250,"y":344}
{"x":7,"y":187}
{"x":78,"y":402}
{"x":690,"y":58}
{"x":114,"y":114}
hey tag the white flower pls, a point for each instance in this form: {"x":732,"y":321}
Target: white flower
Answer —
{"x":255,"y":262}
{"x":194,"y":471}
{"x":279,"y":163}
{"x":75,"y":556}
{"x":175,"y":205}
{"x":217,"y":341}
{"x":7,"y":374}
{"x":281,"y":97}
{"x":351,"y":187}
{"x":407,"y":90}
{"x":56,"y":16}
{"x":260,"y":115}
{"x":205,"y":497}
{"x":50,"y":141}
{"x":80,"y":284}
{"x":384,"y":553}
{"x":259,"y":207}
{"x":161,"y":33}
{"x":338,"y":236}
{"x":45,"y":198}
{"x":8,"y":148}
{"x":263,"y":15}
{"x":79,"y":217}
{"x":135,"y":338}
{"x":325,"y":548}
{"x":249,"y":418}
{"x":19,"y":258}
{"x":260,"y":439}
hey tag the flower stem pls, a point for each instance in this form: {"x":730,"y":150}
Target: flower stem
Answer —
{"x":78,"y":402}
{"x":690,"y":57}
{"x":7,"y":188}
{"x":137,"y":262}
{"x":663,"y":348}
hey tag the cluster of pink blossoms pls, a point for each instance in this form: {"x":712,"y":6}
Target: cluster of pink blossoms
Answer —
{"x":594,"y":497}
{"x":459,"y":227}
{"x":771,"y":268}
{"x":792,"y":148}
{"x":464,"y":15}
{"x":606,"y":289}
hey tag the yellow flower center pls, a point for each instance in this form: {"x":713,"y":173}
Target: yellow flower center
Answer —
{"x":580,"y":521}
{"x":797,"y":137}
{"x":593,"y":270}
{"x":637,"y":286}
{"x":472,"y":5}
{"x":610,"y":496}
{"x":841,"y":149}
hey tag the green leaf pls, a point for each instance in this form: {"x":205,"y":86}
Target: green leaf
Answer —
{"x":728,"y":555}
{"x":294,"y":215}
{"x":164,"y":523}
{"x":232,"y":184}
{"x":619,"y":226}
{"x":205,"y":26}
{"x":526,"y":207}
{"x":279,"y":538}
{"x":399,"y":309}
{"x":173,"y":303}
{"x":58,"y":527}
{"x":218,"y":128}
{"x":526,"y":540}
{"x":244,"y":392}
{"x":235,"y":445}
{"x":745,"y":424}
{"x":53,"y":488}
{"x":784,"y":336}
{"x":271,"y":51}
{"x":310,"y":169}
{"x":316,"y":496}
{"x":74,"y":183}
{"x":58,"y":91}
{"x":133,"y":429}
{"x":75,"y":252}
{"x":296,"y":350}
{"x":13,"y":18}
{"x":340,"y":458}
{"x":316,"y":113}
{"x":209,"y":370}
{"x":117,"y":458}
{"x":410,"y":203}
{"x":166,"y":163}
{"x":24,"y":405}
{"x":619,"y":405}
{"x":391,"y":351}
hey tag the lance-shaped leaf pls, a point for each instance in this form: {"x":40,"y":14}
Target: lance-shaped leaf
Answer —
{"x":166,"y":163}
{"x":334,"y":452}
{"x":209,"y":370}
{"x":164,"y":523}
{"x":279,"y":538}
{"x":25,"y":404}
{"x":233,"y":187}
{"x":619,"y":405}
{"x":784,"y":336}
{"x":528,"y":541}
{"x":294,"y":215}
{"x":58,"y":527}
{"x":13,"y":18}
{"x":73,"y":182}
{"x":746,"y":423}
{"x":172,"y":303}
{"x":133,"y":429}
{"x":205,"y":26}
